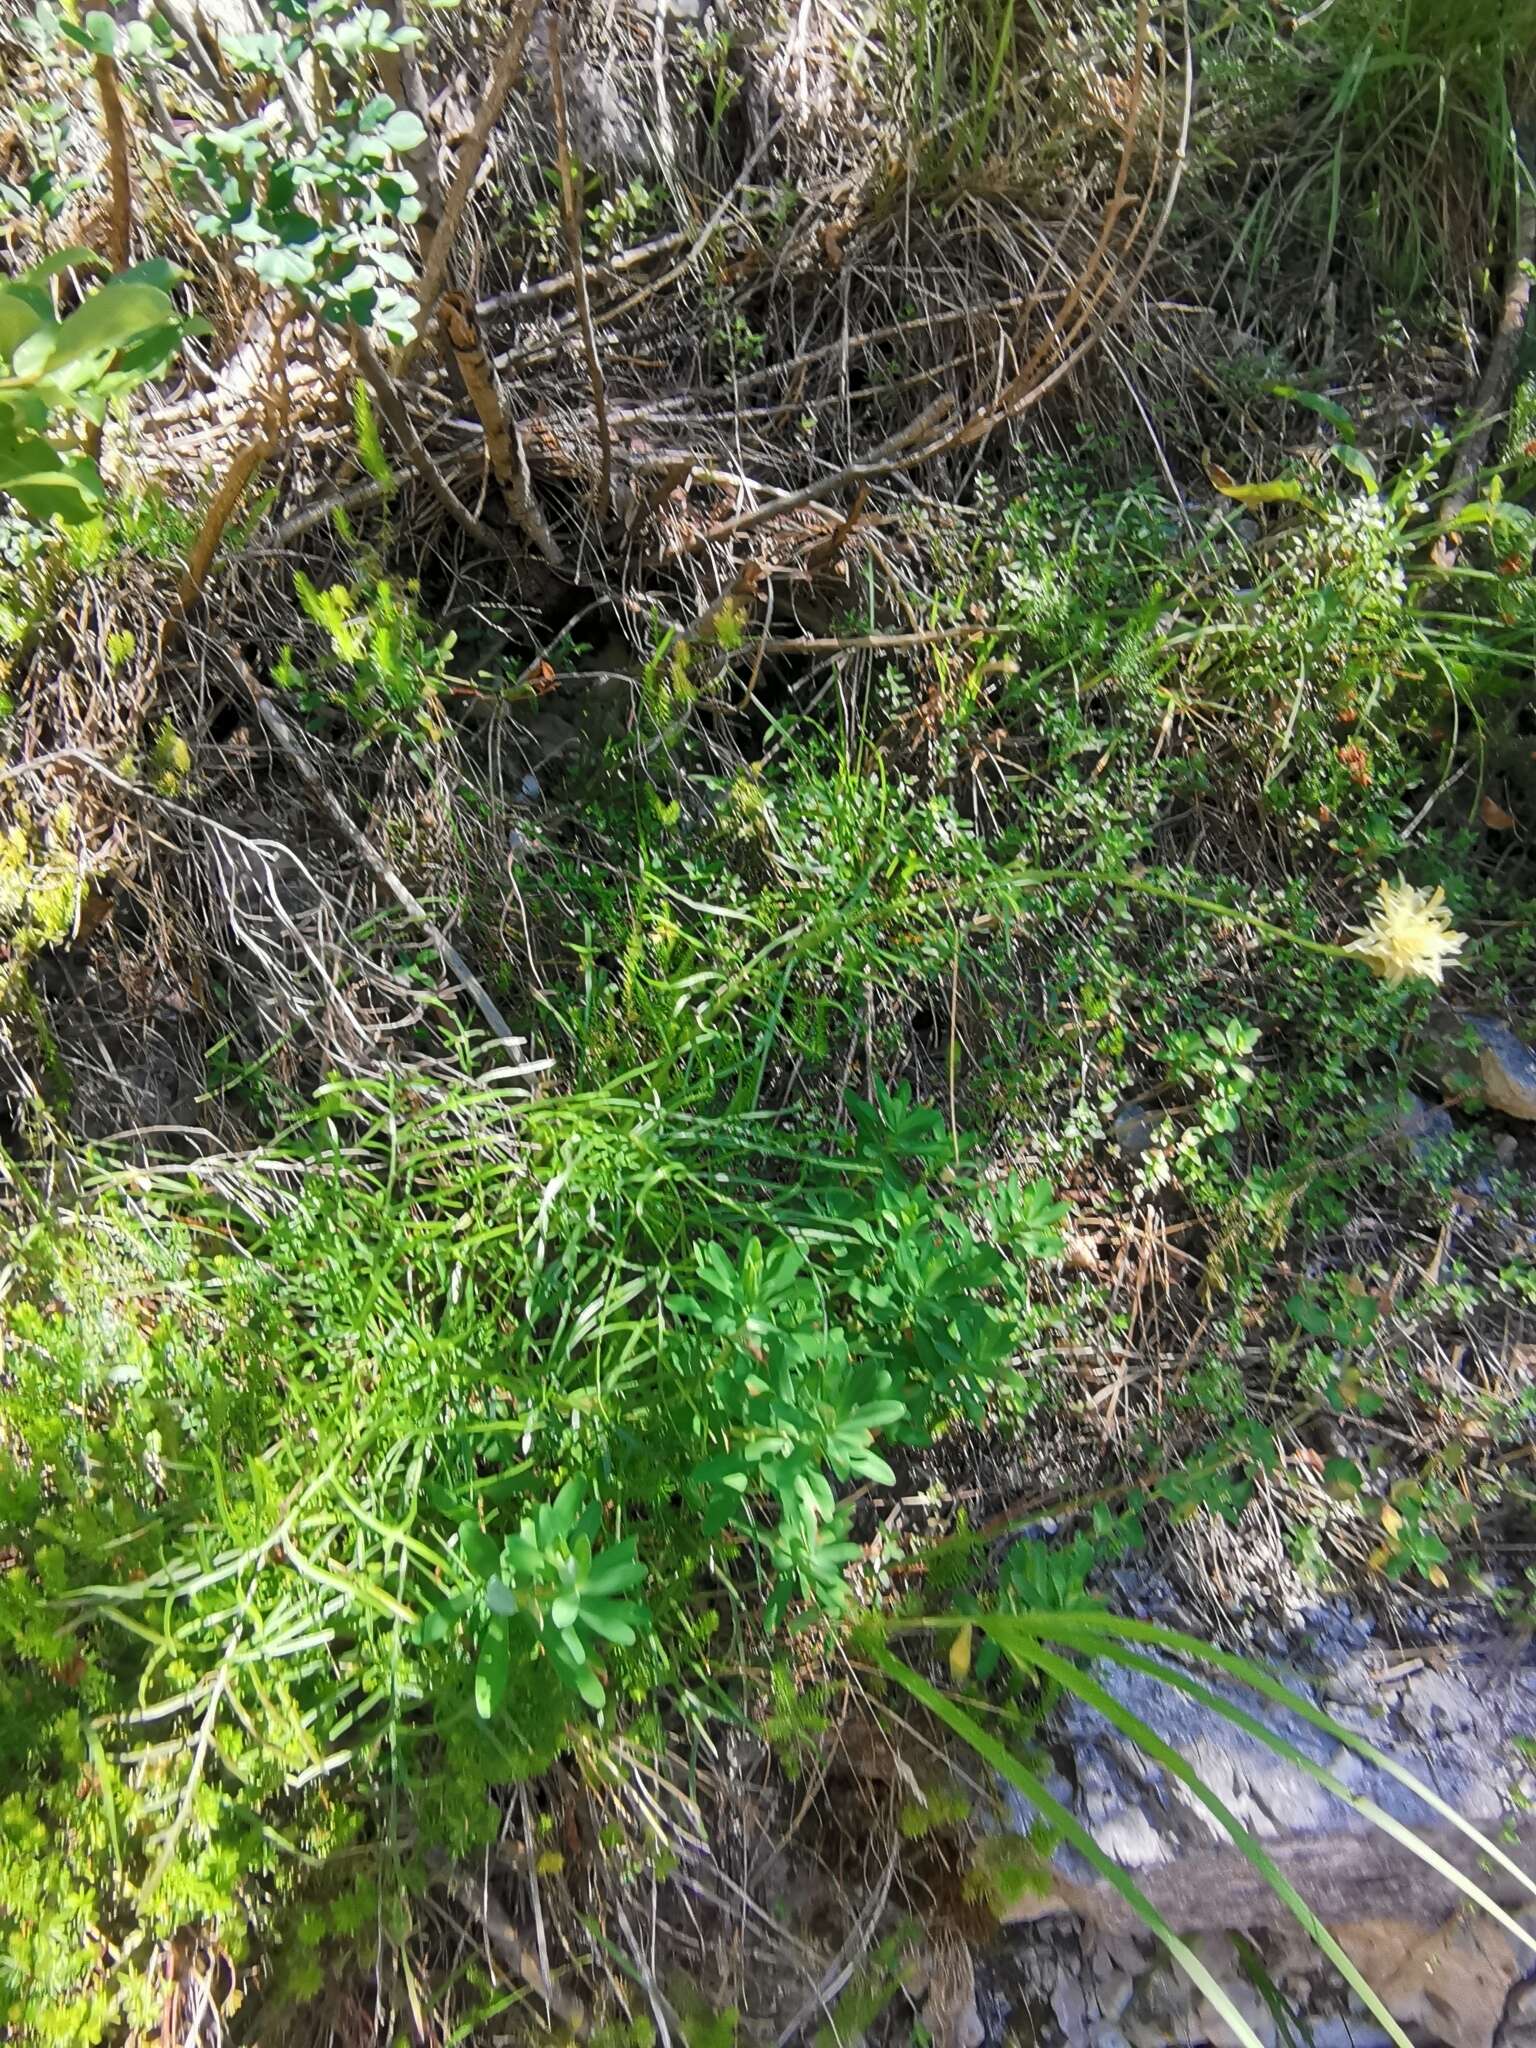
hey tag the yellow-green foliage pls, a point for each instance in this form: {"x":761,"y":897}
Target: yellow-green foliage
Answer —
{"x":1006,"y":1868}
{"x":40,"y":883}
{"x":665,"y":685}
{"x":941,"y":1807}
{"x":170,"y":762}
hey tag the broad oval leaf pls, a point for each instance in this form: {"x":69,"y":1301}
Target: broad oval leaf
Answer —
{"x":110,"y":319}
{"x":493,"y":1667}
{"x":438,"y":1622}
{"x":477,"y":1549}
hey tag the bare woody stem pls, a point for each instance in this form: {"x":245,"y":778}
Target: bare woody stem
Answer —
{"x":570,"y":207}
{"x":120,"y":223}
{"x":434,"y":268}
{"x":115,"y":122}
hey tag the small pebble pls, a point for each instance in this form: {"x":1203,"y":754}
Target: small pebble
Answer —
{"x":1070,"y":2007}
{"x":1134,"y":1129}
{"x":1115,"y":1995}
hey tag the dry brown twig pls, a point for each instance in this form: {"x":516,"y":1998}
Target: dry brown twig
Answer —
{"x":120,"y":221}
{"x":115,"y":122}
{"x":275,"y":412}
{"x":503,"y":443}
{"x":570,"y":212}
{"x":564,"y":281}
{"x":435,"y":261}
{"x":393,"y":407}
{"x":509,"y":1948}
{"x":400,"y":75}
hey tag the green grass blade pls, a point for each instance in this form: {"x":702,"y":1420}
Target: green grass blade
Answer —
{"x":1003,"y":1761}
{"x":1071,"y":1679}
{"x":1098,"y":1626}
{"x":1357,"y":1802}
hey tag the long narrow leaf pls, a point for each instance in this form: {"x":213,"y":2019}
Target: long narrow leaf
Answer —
{"x":1358,"y":1802}
{"x":1096,"y":1624}
{"x":1071,"y":1679}
{"x":1002,"y":1760}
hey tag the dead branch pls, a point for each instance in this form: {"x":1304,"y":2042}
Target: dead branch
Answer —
{"x":392,"y":405}
{"x":317,"y":514}
{"x":887,"y":643}
{"x":886,"y":460}
{"x":502,"y":441}
{"x":824,"y":553}
{"x":1031,"y":386}
{"x":482,"y":1905}
{"x":115,"y":122}
{"x":552,"y":287}
{"x":402,"y":80}
{"x":545,"y":351}
{"x":288,"y":743}
{"x":218,"y":516}
{"x":434,"y":268}
{"x":570,"y":210}
{"x":1089,"y":271}
{"x":275,"y":409}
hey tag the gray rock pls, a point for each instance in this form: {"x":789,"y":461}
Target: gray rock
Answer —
{"x":1496,"y":1065}
{"x":1115,"y":1995}
{"x":1337,"y":2031}
{"x":1333,"y":1635}
{"x":1135,"y":1129}
{"x":1452,"y":1728}
{"x":1420,"y":1125}
{"x":1162,"y":2010}
{"x":1119,"y":1952}
{"x":1070,"y":2007}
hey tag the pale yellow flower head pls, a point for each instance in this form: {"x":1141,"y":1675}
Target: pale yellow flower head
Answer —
{"x":1408,"y":934}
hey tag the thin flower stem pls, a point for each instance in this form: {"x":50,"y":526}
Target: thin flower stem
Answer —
{"x":1168,"y":892}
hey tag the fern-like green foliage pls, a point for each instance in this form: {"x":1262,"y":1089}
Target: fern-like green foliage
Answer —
{"x":386,"y":669}
{"x":370,"y":448}
{"x":361,"y":1498}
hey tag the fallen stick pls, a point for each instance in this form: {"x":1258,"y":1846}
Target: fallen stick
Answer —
{"x":482,"y":1904}
{"x":502,"y":440}
{"x":115,"y":121}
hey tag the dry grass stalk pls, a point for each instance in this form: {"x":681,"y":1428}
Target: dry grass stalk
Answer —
{"x":570,"y":209}
{"x":294,"y":752}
